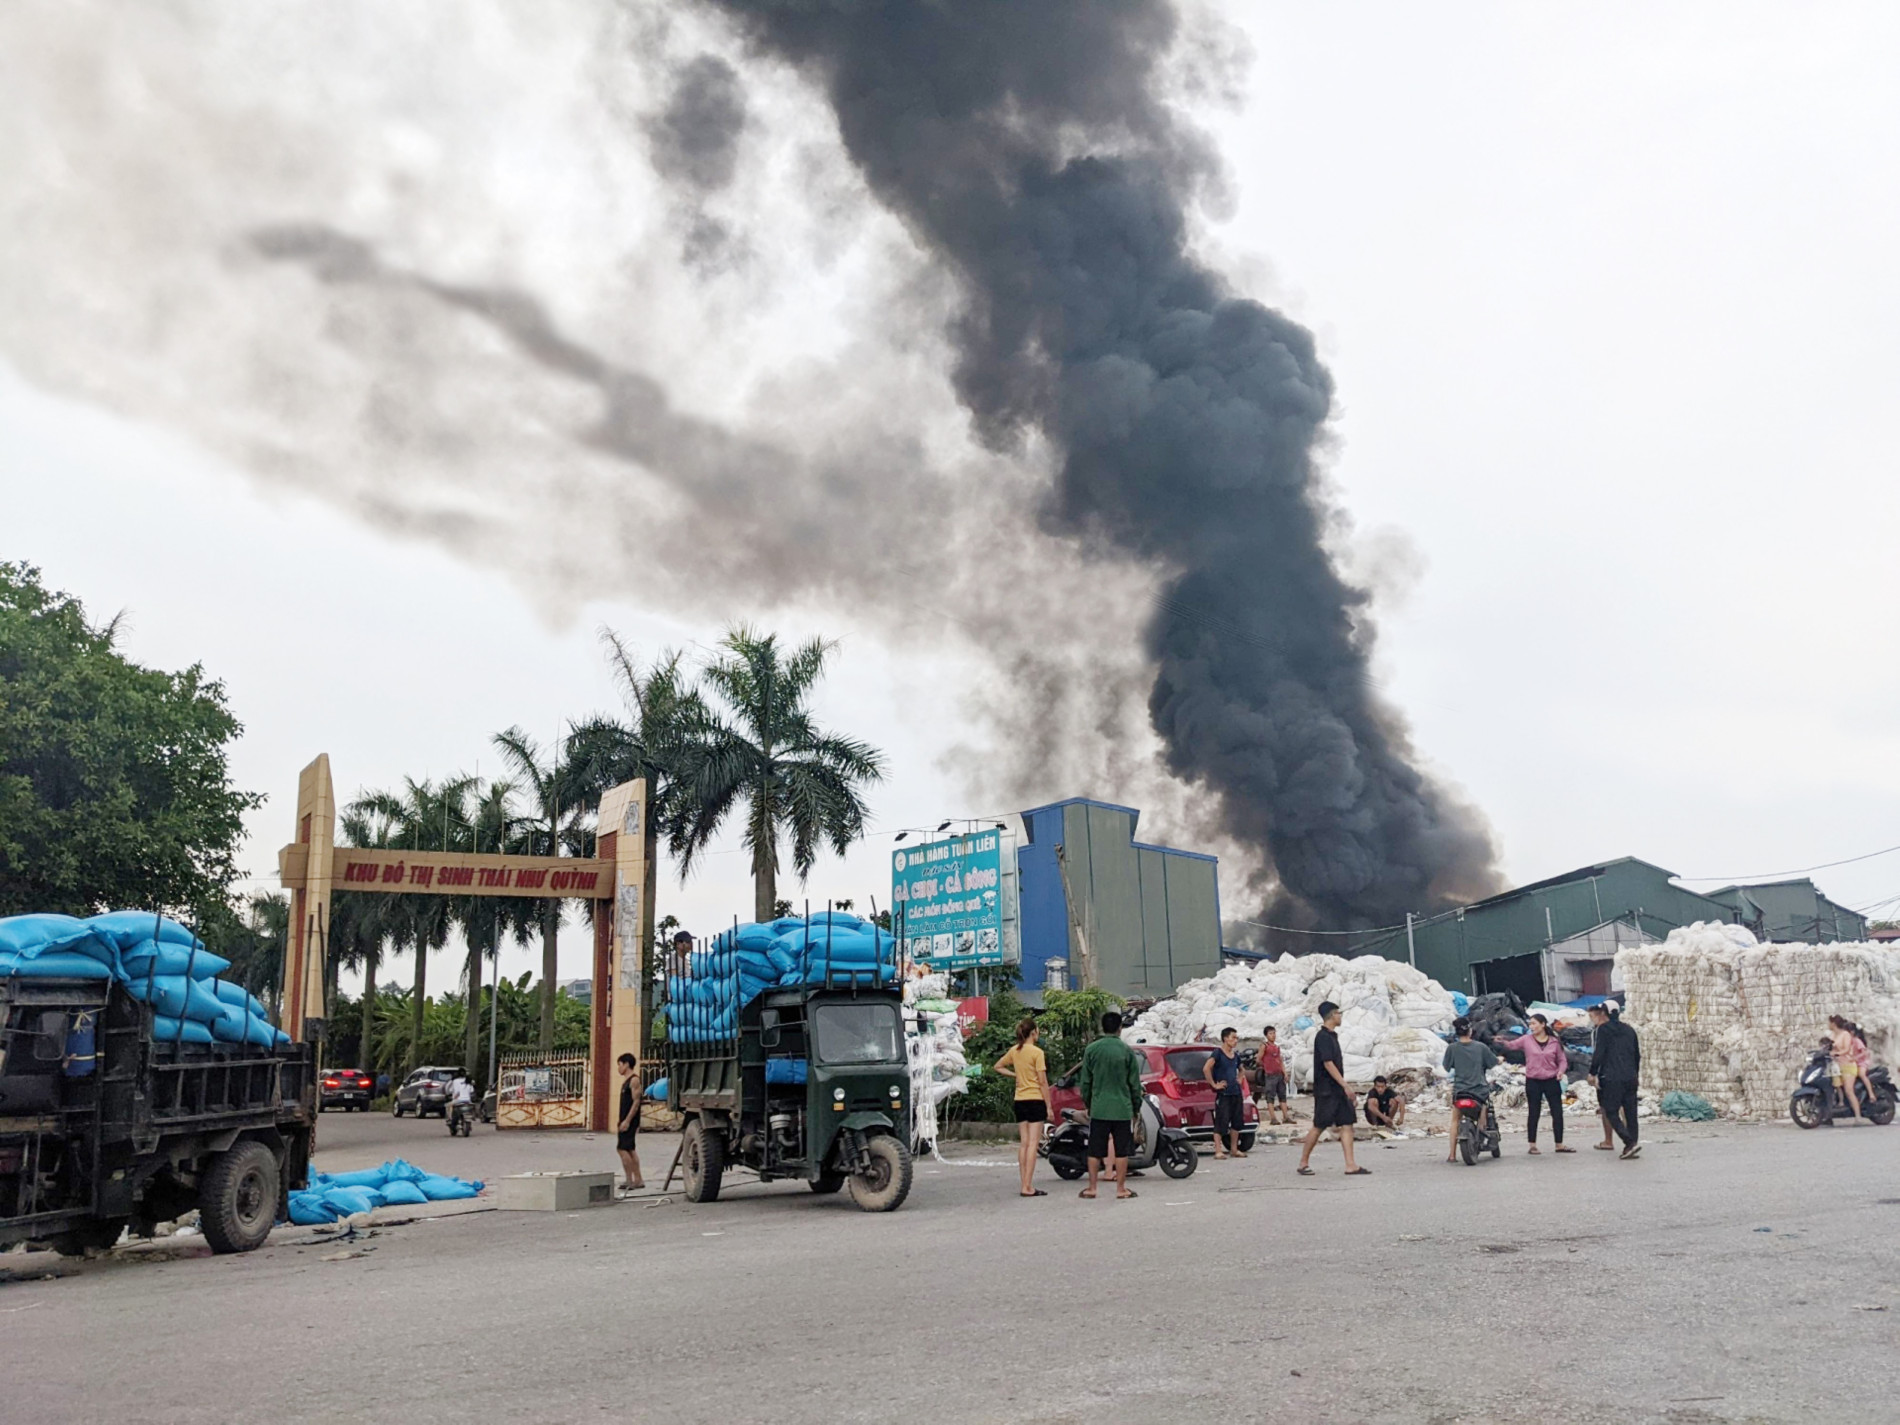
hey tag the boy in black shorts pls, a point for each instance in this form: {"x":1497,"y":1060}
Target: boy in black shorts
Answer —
{"x":1384,"y":1107}
{"x":628,"y":1124}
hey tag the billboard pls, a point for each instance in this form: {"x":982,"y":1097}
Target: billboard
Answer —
{"x":948,"y":899}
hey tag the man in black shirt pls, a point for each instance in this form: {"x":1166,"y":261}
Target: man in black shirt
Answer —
{"x":1384,"y":1107}
{"x":1332,"y":1100}
{"x":1616,"y":1060}
{"x":628,"y":1124}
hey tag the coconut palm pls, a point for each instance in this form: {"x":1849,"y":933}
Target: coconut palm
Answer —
{"x":486,"y":920}
{"x":424,"y":817}
{"x":550,"y":824}
{"x":765,"y":751}
{"x":363,"y":924}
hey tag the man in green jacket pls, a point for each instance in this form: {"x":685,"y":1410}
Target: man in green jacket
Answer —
{"x":1110,"y":1085}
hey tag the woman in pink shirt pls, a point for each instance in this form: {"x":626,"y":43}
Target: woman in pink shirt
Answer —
{"x":1544,"y":1064}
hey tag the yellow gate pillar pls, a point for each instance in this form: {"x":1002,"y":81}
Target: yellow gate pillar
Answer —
{"x":304,"y":867}
{"x":623,"y":931}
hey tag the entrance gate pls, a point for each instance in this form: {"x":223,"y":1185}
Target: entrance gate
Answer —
{"x":619,"y":881}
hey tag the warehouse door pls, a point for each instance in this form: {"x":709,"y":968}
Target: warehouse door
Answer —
{"x":1522,"y":975}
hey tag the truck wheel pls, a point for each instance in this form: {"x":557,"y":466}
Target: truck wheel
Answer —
{"x":703,"y":1161}
{"x":90,"y":1234}
{"x":237,"y":1199}
{"x":887,"y":1184}
{"x":827,"y":1183}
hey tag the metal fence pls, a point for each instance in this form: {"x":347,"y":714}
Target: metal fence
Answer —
{"x":542,"y":1093}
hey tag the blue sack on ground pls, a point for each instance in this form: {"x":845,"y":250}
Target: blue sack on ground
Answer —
{"x":361,"y":1177}
{"x":348,"y":1201}
{"x":440,"y":1189}
{"x":404,"y":1194}
{"x":308,"y":1209}
{"x":125,"y":928}
{"x":398,"y":1170}
{"x":28,"y":933}
{"x":55,"y":964}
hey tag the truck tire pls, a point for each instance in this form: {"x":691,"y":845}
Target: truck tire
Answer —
{"x":237,"y":1198}
{"x":702,"y":1161}
{"x":887,"y":1184}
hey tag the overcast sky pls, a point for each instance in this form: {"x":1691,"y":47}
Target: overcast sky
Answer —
{"x":1608,"y":295}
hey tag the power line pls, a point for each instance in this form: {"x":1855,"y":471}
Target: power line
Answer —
{"x":1797,"y":871}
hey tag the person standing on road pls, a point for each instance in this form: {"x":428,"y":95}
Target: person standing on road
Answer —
{"x":1332,"y":1100}
{"x":1027,"y":1064}
{"x":1615,"y":1061}
{"x":1222,"y":1070}
{"x":1110,"y":1085}
{"x":627,"y":1125}
{"x":1270,"y":1086}
{"x":1544,"y":1064}
{"x":1469,"y":1063}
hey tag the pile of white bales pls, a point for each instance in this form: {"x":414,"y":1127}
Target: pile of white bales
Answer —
{"x":1394,"y":1017}
{"x":1733,"y":1020}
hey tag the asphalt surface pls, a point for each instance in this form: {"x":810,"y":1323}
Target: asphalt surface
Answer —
{"x":1731,"y":1274}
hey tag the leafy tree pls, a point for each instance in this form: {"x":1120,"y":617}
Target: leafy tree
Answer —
{"x":114,"y":786}
{"x":254,"y":943}
{"x":765,"y":751}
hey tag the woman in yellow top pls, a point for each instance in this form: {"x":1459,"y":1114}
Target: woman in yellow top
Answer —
{"x":1026,"y":1064}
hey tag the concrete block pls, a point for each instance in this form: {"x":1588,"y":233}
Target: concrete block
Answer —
{"x":553,"y":1192}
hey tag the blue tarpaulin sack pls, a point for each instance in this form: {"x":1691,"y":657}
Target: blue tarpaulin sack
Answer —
{"x":309,"y":1209}
{"x":174,"y":994}
{"x":167,"y":1030}
{"x":786,"y":1071}
{"x":152,"y":957}
{"x":438,"y":1189}
{"x":125,"y":928}
{"x":403,"y":1193}
{"x":657,"y":1089}
{"x":55,"y":964}
{"x":26,"y":934}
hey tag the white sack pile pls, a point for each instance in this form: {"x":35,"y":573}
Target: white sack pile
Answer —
{"x":935,"y":1041}
{"x":1734,"y":1020}
{"x":1393,"y":1017}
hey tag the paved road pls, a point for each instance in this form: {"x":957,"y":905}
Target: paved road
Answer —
{"x":1721,"y":1278}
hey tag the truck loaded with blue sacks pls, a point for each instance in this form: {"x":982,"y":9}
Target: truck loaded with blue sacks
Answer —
{"x":135,"y":1086}
{"x":786,"y":1056}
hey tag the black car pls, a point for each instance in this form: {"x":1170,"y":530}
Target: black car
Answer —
{"x":424,"y":1092}
{"x":349,"y":1089}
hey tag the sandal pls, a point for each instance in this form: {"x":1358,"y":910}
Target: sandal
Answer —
{"x":1561,"y":1149}
{"x":1604,"y":1147}
{"x":1124,"y":1196}
{"x":1304,"y":1172}
{"x":1359,"y":1173}
{"x":1536,"y":1149}
{"x":1037,"y":1193}
{"x":1085,"y":1193}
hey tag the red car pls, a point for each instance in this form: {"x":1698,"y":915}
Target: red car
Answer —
{"x":1176,"y":1074}
{"x":346,"y":1088}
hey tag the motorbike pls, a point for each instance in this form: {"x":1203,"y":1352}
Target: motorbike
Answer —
{"x":461,"y":1118}
{"x":1156,"y":1144}
{"x":1817,"y":1099}
{"x":1477,"y":1131}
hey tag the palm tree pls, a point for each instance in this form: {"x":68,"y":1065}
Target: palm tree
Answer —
{"x":766,"y":751}
{"x":256,"y":952}
{"x":362,"y":924}
{"x":486,"y":919}
{"x":423,"y":817}
{"x":554,"y":801}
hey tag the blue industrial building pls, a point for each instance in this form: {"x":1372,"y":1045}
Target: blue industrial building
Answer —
{"x":1101,"y":909}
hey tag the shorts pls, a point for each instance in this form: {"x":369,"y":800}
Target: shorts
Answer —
{"x":1031,"y":1110}
{"x":1227,"y":1113}
{"x":628,"y":1140}
{"x":1272,"y":1089}
{"x":1101,"y":1130}
{"x":1332,"y":1111}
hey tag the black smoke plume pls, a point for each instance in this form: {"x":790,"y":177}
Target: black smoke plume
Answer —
{"x":1029,"y":145}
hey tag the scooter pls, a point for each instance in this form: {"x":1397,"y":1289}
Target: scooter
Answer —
{"x":1067,"y":1147}
{"x":1817,"y":1099}
{"x":1477,"y":1131}
{"x":461,"y":1118}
